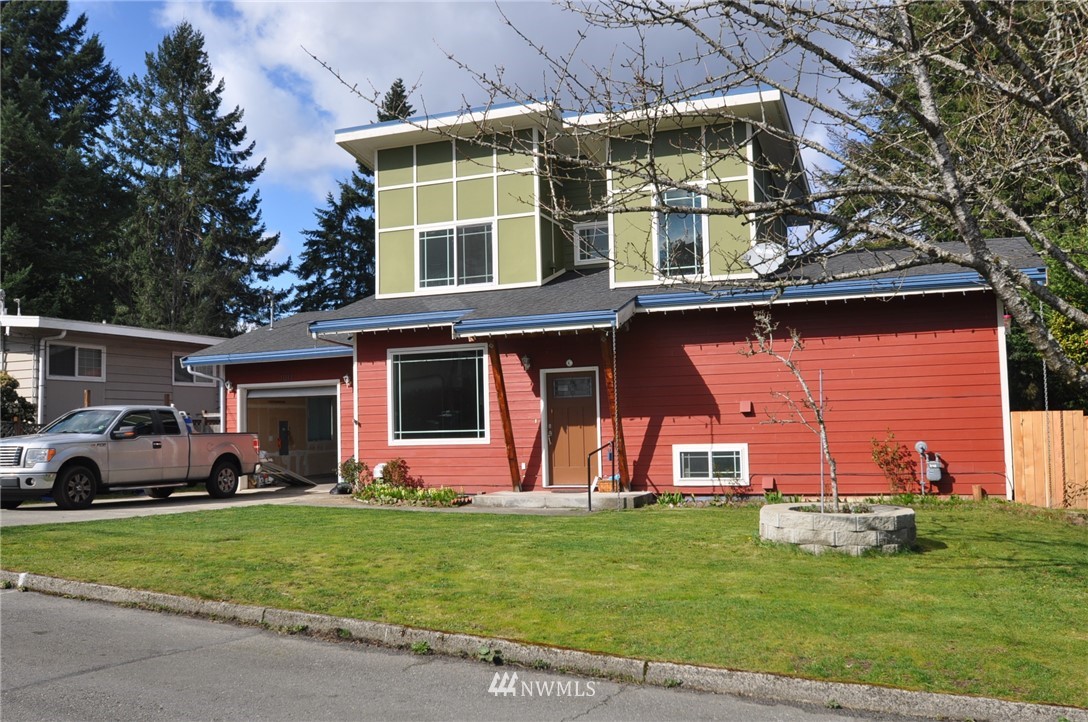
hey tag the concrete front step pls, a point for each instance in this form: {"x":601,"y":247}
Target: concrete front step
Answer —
{"x":562,"y":499}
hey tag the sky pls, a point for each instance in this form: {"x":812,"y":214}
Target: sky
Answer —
{"x":265,"y":53}
{"x":293,"y":105}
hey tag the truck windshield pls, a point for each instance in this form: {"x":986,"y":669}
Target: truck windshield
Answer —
{"x":91,"y":421}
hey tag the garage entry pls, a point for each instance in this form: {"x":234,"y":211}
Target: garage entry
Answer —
{"x":297,"y":426}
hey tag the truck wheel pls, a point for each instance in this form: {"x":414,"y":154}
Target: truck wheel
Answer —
{"x":10,"y":504}
{"x":224,"y":480}
{"x":75,"y":488}
{"x":159,"y":493}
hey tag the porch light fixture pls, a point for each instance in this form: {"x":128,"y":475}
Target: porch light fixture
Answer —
{"x":229,"y":385}
{"x":346,"y":379}
{"x":526,"y":362}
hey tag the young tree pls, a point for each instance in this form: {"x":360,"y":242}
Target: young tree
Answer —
{"x":196,"y":246}
{"x":60,"y":207}
{"x":337,"y":265}
{"x":872,"y":84}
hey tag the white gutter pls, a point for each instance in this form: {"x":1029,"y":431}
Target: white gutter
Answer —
{"x":41,"y":372}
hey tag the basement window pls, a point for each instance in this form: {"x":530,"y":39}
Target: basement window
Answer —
{"x":710,"y":464}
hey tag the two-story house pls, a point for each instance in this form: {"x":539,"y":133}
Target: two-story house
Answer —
{"x":528,"y":313}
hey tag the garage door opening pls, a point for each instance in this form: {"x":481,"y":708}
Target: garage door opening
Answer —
{"x":296,"y":427}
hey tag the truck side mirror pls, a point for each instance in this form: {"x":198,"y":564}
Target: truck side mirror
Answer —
{"x":124,"y":432}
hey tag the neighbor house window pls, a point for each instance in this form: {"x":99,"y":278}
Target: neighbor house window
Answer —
{"x":591,"y":242}
{"x":76,"y":362}
{"x":438,"y":395}
{"x":680,"y":245}
{"x":458,"y":256}
{"x":710,"y":464}
{"x":182,"y":375}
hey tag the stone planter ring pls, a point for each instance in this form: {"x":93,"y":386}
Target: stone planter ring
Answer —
{"x":887,"y":528}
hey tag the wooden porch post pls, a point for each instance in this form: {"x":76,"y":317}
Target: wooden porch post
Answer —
{"x":504,"y":413}
{"x":617,"y":423}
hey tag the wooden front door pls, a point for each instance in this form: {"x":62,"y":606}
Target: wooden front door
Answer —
{"x":572,"y":425}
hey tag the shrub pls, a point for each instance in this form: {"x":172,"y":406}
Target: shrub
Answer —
{"x":897,"y":462}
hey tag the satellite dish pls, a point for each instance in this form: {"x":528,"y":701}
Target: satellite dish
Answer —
{"x":765,"y":258}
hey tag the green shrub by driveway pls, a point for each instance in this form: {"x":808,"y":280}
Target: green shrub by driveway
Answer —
{"x":992,"y":605}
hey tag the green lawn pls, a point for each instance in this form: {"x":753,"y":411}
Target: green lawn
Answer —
{"x":993,"y":605}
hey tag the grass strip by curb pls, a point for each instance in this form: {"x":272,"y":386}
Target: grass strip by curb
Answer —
{"x":666,"y":674}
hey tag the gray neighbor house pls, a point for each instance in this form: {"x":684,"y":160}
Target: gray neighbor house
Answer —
{"x":62,"y":364}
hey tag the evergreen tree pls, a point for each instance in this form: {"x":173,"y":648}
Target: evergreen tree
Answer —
{"x":196,"y":246}
{"x":395,"y":105}
{"x":60,"y":207}
{"x":337,"y":265}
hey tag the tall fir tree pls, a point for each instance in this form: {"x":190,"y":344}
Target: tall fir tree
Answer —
{"x":60,"y":207}
{"x":196,"y":247}
{"x":337,"y":265}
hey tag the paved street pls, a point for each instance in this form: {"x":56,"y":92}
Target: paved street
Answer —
{"x":71,"y":660}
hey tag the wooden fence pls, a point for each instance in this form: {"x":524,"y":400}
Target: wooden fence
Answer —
{"x":1058,"y":479}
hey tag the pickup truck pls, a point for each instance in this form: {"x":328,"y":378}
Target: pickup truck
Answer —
{"x":99,"y":449}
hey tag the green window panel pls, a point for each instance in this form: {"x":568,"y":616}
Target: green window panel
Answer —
{"x":517,"y":241}
{"x":396,"y":264}
{"x":435,"y":203}
{"x":476,"y":198}
{"x":394,"y":166}
{"x":516,"y":194}
{"x":726,"y":151}
{"x":629,"y":154}
{"x":634,"y":246}
{"x":473,"y":159}
{"x":730,"y":236}
{"x":434,"y":161}
{"x":514,"y":154}
{"x":678,"y":154}
{"x":395,"y":208}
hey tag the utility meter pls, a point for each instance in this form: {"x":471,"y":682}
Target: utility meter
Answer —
{"x":933,"y":468}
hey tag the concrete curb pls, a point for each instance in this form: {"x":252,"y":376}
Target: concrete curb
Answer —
{"x":863,"y":698}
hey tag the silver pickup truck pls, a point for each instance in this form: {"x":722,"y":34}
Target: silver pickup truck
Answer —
{"x":106,"y":448}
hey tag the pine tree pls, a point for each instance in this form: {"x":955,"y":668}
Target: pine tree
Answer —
{"x":59,"y":205}
{"x":337,"y":265}
{"x":395,"y":105}
{"x":196,"y":246}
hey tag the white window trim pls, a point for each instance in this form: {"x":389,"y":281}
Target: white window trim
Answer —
{"x":704,"y":223}
{"x":678,"y":480}
{"x":390,"y":353}
{"x":199,"y":383}
{"x":592,"y":260}
{"x":77,"y":377}
{"x":491,"y":221}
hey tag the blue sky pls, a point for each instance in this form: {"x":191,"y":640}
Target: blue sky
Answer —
{"x":293,"y":106}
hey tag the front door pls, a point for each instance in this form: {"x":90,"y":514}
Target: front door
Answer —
{"x":572,"y":425}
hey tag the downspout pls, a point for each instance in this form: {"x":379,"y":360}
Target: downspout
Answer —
{"x":40,"y":360}
{"x":221,"y":382}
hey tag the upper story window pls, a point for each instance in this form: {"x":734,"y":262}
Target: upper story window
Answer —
{"x":456,"y":256}
{"x":182,"y":375}
{"x":77,"y":362}
{"x":680,"y":246}
{"x":591,"y":243}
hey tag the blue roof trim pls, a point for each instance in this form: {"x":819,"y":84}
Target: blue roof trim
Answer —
{"x":968,"y":280}
{"x":294,"y":354}
{"x":385,"y":323}
{"x":557,"y":321}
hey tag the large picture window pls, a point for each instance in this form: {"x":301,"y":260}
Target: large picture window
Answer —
{"x":680,"y":246}
{"x":76,"y":362}
{"x":710,"y":464}
{"x":438,"y":395}
{"x":455,"y":256}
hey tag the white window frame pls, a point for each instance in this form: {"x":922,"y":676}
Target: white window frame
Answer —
{"x":197,"y":380}
{"x":77,"y":376}
{"x":579,"y":258}
{"x":709,"y":450}
{"x":704,"y":229}
{"x":454,"y":228}
{"x":390,"y":360}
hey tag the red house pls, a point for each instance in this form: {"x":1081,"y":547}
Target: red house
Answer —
{"x":505,"y":344}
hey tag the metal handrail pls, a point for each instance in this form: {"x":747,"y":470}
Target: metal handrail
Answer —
{"x":589,"y":469}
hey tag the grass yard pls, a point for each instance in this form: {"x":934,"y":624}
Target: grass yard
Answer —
{"x":993,"y":605}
